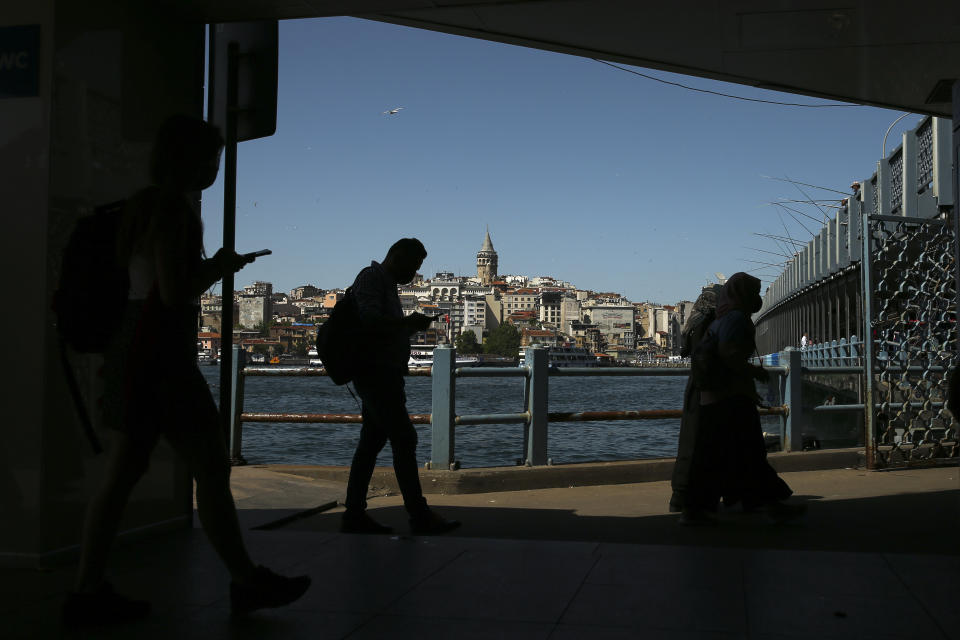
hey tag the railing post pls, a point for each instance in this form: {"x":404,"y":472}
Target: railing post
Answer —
{"x":443,"y":415}
{"x":796,"y":418}
{"x":236,"y":406}
{"x":538,"y":362}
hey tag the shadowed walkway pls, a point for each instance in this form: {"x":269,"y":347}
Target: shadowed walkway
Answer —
{"x":876,"y":557}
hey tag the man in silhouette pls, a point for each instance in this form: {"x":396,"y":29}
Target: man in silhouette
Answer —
{"x":380,"y":384}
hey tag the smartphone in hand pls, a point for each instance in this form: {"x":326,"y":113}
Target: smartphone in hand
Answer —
{"x":257,"y":254}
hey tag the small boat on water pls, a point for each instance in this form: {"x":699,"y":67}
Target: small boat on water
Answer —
{"x":313,"y":358}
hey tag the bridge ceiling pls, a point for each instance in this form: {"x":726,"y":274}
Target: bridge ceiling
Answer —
{"x":886,"y":53}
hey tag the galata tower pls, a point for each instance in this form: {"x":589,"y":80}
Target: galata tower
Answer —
{"x":487,"y":262}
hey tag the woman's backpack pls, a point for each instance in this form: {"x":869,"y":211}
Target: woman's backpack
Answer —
{"x":91,"y":296}
{"x":92,"y":291}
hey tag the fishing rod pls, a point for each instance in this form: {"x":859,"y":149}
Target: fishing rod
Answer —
{"x":779,"y":203}
{"x":787,"y":209}
{"x":806,"y":195}
{"x":769,"y":264}
{"x":823,"y":203}
{"x":780,"y":238}
{"x":779,"y":243}
{"x":774,"y":253}
{"x":787,"y":231}
{"x":846,"y":193}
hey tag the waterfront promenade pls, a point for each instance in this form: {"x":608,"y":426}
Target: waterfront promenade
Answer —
{"x":875,"y":557}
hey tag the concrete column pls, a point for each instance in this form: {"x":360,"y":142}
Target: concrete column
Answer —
{"x":443,"y":412}
{"x":538,"y":360}
{"x":81,"y":139}
{"x":793,"y":385}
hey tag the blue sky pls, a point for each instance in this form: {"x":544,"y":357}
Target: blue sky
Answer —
{"x":582,"y":172}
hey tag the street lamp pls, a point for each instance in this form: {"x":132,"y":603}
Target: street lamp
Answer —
{"x":884,"y":153}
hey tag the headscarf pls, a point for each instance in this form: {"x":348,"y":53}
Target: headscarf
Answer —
{"x":741,"y":292}
{"x":696,"y":325}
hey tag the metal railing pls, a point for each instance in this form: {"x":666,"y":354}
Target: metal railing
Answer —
{"x":790,"y":366}
{"x":444,"y":419}
{"x":836,"y":353}
{"x":911,"y":442}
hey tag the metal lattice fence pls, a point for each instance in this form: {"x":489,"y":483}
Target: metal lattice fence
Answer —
{"x":896,"y":182}
{"x":911,"y":316}
{"x":925,"y":155}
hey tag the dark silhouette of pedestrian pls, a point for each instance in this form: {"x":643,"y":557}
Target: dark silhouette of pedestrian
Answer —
{"x":953,"y":393}
{"x":380,"y":385}
{"x":704,"y":311}
{"x":730,"y":458}
{"x":153,"y":387}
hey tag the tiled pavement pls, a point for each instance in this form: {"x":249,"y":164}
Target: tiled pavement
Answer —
{"x":485,"y":582}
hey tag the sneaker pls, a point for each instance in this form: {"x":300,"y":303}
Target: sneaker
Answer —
{"x":266,"y":590}
{"x":430,"y":524}
{"x":102,"y":607}
{"x":360,"y":522}
{"x":697,"y":518}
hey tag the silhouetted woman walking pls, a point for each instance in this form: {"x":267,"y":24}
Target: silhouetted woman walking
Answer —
{"x":153,"y":387}
{"x":730,"y":457}
{"x":703,"y":314}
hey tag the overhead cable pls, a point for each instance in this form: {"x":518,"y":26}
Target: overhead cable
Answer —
{"x":718,"y":93}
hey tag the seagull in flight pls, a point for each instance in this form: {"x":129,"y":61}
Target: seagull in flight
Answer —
{"x":392,"y":112}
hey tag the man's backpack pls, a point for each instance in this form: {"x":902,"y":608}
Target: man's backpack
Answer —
{"x":338,"y":340}
{"x":93,"y":287}
{"x":90,"y":297}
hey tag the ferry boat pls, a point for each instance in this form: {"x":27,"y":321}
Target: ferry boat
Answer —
{"x":313,"y":358}
{"x":566,"y":357}
{"x":205,"y":356}
{"x":423,"y":359}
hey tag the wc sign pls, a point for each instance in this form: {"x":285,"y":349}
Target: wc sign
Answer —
{"x":20,"y":61}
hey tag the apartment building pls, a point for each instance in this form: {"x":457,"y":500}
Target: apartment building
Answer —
{"x":475,"y":314}
{"x":524,"y":299}
{"x":615,"y":322}
{"x":254,"y":310}
{"x":551,"y":303}
{"x":331,"y":298}
{"x":259,"y":288}
{"x":306,"y":291}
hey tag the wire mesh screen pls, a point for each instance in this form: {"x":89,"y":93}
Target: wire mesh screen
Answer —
{"x":913,"y":327}
{"x":896,"y":182}
{"x":925,"y":155}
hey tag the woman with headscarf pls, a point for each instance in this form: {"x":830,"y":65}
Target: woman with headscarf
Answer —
{"x":730,"y":457}
{"x":704,"y":311}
